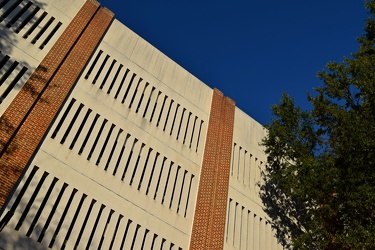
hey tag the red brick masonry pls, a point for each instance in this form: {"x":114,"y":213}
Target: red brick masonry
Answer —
{"x":210,"y":212}
{"x":28,"y":117}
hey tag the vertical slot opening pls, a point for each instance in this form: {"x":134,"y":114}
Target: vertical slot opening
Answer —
{"x":10,"y":10}
{"x":95,"y":226}
{"x":144,"y":238}
{"x":128,"y":88}
{"x":105,"y":229}
{"x":78,"y":133}
{"x":181,"y":191}
{"x":27,"y":19}
{"x":31,"y":201}
{"x":100,"y":69}
{"x":192,"y":132}
{"x":135,"y":236}
{"x":19,"y":14}
{"x":152,"y":172}
{"x":144,"y":169}
{"x":161,"y":110}
{"x":239,"y":163}
{"x":160,"y":173}
{"x":120,"y":156}
{"x":88,"y":134}
{"x":148,"y":102}
{"x":125,"y":233}
{"x":108,"y":73}
{"x":187,"y":128}
{"x":136,"y":164}
{"x":199,"y":135}
{"x":73,"y":221}
{"x":41,"y":207}
{"x":71,"y":124}
{"x":135,"y":92}
{"x":8,"y":72}
{"x":62,"y":218}
{"x":228,"y":216}
{"x":174,"y":186}
{"x":121,"y":83}
{"x":153,"y":241}
{"x":3,"y":61}
{"x":234,"y":223}
{"x":13,"y":84}
{"x":129,"y":158}
{"x":93,"y":64}
{"x":169,"y":110}
{"x":153,"y":109}
{"x":188,"y":196}
{"x":141,"y":99}
{"x":105,"y":144}
{"x":114,"y":78}
{"x":174,"y":118}
{"x":33,"y":27}
{"x":113,"y":149}
{"x":167,"y":182}
{"x":116,"y":230}
{"x":179,"y":126}
{"x":62,"y":119}
{"x":42,"y":30}
{"x":93,"y":201}
{"x":97,"y":139}
{"x":53,"y":210}
{"x":50,"y":35}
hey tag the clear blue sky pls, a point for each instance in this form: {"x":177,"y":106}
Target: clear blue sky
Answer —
{"x":250,"y":50}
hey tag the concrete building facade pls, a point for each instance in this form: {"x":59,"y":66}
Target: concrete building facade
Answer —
{"x":106,"y":143}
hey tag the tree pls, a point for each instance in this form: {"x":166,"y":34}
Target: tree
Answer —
{"x":319,"y":184}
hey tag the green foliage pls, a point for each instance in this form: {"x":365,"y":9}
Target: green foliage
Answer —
{"x":320,"y":180}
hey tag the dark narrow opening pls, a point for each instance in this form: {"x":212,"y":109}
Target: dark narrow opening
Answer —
{"x":13,"y":84}
{"x":148,"y":102}
{"x":105,"y":144}
{"x":155,"y":104}
{"x":10,"y":10}
{"x":31,"y":201}
{"x":135,"y":92}
{"x":121,"y":83}
{"x":114,"y":78}
{"x":179,"y":126}
{"x":78,"y":133}
{"x":167,"y":182}
{"x":62,"y":119}
{"x":144,"y":238}
{"x":8,"y":72}
{"x":161,"y":110}
{"x":120,"y":156}
{"x":27,"y":19}
{"x":3,"y":3}
{"x":3,"y":61}
{"x":174,"y":118}
{"x":160,"y":173}
{"x":88,"y":134}
{"x":33,"y":27}
{"x":181,"y":191}
{"x":73,"y":221}
{"x":100,"y":69}
{"x":144,"y":169}
{"x":93,"y":64}
{"x":113,"y":149}
{"x":93,"y":201}
{"x":53,"y":210}
{"x":153,"y":241}
{"x":129,"y":158}
{"x":108,"y":73}
{"x":97,"y":139}
{"x":187,"y":128}
{"x":188,"y":196}
{"x":136,"y":164}
{"x":152,"y":172}
{"x":125,"y":234}
{"x":19,"y":14}
{"x":127,"y":90}
{"x":135,"y":236}
{"x":95,"y":226}
{"x":62,"y":218}
{"x":71,"y":124}
{"x":141,"y":99}
{"x":174,"y":186}
{"x":116,"y":230}
{"x":169,"y":110}
{"x":105,"y":229}
{"x":199,"y":135}
{"x":41,"y":207}
{"x":50,"y":35}
{"x":42,"y":30}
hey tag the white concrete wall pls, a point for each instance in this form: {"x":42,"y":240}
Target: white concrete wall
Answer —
{"x":24,"y":44}
{"x":247,"y":225}
{"x":131,"y":137}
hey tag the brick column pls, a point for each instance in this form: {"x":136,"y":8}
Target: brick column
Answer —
{"x":210,"y":212}
{"x":34,"y":108}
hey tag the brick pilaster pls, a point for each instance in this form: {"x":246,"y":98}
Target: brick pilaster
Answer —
{"x":31,"y":113}
{"x":210,"y":212}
